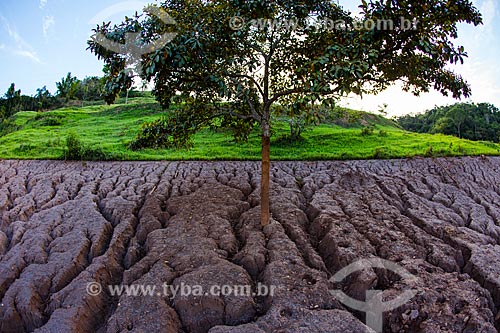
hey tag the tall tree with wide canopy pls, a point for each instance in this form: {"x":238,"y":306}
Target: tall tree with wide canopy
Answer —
{"x":238,"y":59}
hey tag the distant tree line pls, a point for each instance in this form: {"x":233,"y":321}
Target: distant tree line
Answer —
{"x":69,"y":89}
{"x":464,"y":120}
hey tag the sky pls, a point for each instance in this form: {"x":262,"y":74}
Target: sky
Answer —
{"x":42,"y":40}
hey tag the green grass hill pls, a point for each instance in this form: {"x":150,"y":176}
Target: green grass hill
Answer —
{"x":106,"y":131}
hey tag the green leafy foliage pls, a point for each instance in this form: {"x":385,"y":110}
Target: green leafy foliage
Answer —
{"x":7,"y":126}
{"x":90,"y":89}
{"x":161,"y":133}
{"x":367,"y":130}
{"x":465,"y":120}
{"x":67,"y":87}
{"x":11,"y":102}
{"x":381,"y":153}
{"x":70,"y":89}
{"x":175,"y":130}
{"x":76,"y":150}
{"x":261,"y":66}
{"x":110,"y":129}
{"x":48,"y":119}
{"x":74,"y":147}
{"x":382,"y":133}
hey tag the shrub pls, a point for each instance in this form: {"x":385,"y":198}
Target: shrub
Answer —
{"x":8,"y":126}
{"x":345,"y":156}
{"x":288,"y":140}
{"x":76,"y":150}
{"x":47,"y":119}
{"x":382,"y":133}
{"x":73,"y":149}
{"x":367,"y":130}
{"x":380,"y":153}
{"x":95,"y":154}
{"x":24,"y":148}
{"x":163,"y":133}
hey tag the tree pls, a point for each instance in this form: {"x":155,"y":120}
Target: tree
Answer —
{"x":67,"y":87}
{"x":240,"y":58}
{"x":444,"y":125}
{"x":458,"y":114}
{"x":90,"y":89}
{"x":466,"y":120}
{"x":382,"y":109}
{"x":12,"y":97}
{"x":43,"y":98}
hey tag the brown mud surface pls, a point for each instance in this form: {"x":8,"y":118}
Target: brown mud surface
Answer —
{"x":65,"y":225}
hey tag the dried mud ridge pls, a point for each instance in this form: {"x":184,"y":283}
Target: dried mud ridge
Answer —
{"x":64,"y":225}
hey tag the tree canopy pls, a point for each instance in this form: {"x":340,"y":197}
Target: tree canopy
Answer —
{"x":67,"y":87}
{"x":236,"y":60}
{"x":466,"y":120}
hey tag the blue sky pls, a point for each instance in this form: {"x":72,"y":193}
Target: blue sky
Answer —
{"x":42,"y":40}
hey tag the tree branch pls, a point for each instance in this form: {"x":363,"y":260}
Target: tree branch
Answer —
{"x":251,"y":79}
{"x":284,"y":93}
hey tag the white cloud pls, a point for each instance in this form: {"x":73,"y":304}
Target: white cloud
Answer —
{"x":482,"y":78}
{"x":2,"y":46}
{"x":48,"y":22}
{"x":20,"y":47}
{"x":43,"y":3}
{"x":18,"y":40}
{"x":28,"y":54}
{"x":123,"y":7}
{"x":488,"y":10}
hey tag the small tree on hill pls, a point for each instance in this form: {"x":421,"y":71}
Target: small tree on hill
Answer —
{"x":12,"y":100}
{"x":237,"y":59}
{"x":90,"y":89}
{"x":43,"y":98}
{"x":458,"y":115}
{"x":68,"y":87}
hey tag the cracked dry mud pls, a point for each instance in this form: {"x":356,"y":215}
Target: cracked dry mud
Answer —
{"x":65,"y":225}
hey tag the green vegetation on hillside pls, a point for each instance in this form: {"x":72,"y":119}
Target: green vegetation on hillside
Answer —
{"x":464,"y":120}
{"x":105,"y":132}
{"x":70,"y":92}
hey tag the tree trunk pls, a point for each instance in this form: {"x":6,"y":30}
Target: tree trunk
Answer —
{"x":265,"y":173}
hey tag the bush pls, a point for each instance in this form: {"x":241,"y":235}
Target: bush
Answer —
{"x":24,"y":148}
{"x":48,"y":119}
{"x":382,"y":133}
{"x":8,"y":126}
{"x":73,"y":147}
{"x":345,"y":156}
{"x":429,"y":152}
{"x":288,"y":140}
{"x":95,"y":154}
{"x":164,"y":133}
{"x":367,"y":130}
{"x":380,"y":153}
{"x":76,"y":150}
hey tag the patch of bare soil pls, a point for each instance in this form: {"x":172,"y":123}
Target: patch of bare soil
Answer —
{"x":67,"y":225}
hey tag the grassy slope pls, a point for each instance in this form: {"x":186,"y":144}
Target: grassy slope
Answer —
{"x":42,"y":136}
